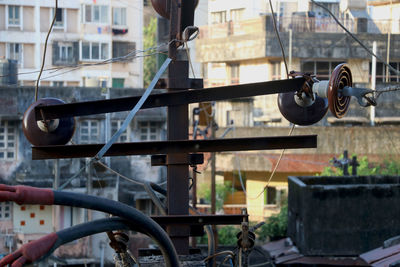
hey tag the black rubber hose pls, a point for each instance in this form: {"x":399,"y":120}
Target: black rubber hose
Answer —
{"x":207,"y":228}
{"x":104,"y":225}
{"x":122,"y":210}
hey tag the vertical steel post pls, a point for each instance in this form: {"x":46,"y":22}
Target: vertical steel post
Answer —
{"x":181,"y":15}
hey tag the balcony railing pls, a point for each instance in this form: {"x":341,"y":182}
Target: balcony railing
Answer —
{"x":297,"y":24}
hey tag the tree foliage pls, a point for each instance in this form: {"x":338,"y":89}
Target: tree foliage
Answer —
{"x":150,"y":62}
{"x":275,"y":226}
{"x":221,"y":192}
{"x":388,"y":167}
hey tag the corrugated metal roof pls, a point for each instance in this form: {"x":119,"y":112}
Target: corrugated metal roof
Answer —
{"x":285,"y":252}
{"x":381,"y":256}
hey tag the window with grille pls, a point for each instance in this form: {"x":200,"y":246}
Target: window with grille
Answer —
{"x":8,"y":140}
{"x":89,"y":131}
{"x":149,"y":130}
{"x":115,"y":126}
{"x":14,"y":51}
{"x":14,"y":16}
{"x":381,"y":72}
{"x":322,"y":69}
{"x":5,"y":210}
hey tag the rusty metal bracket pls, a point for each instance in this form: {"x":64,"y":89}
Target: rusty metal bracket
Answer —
{"x":190,"y":159}
{"x":170,"y":98}
{"x":176,"y":146}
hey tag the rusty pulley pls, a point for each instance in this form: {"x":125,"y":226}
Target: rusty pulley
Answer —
{"x":162,"y":7}
{"x":47,"y":132}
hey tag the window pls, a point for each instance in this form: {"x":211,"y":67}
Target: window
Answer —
{"x":15,"y":52}
{"x":276,"y":70}
{"x":94,"y":14}
{"x":270,"y":196}
{"x":59,"y":23}
{"x":237,"y":14}
{"x":5,"y":210}
{"x":58,"y":83}
{"x":149,"y":130}
{"x":65,"y":53}
{"x":118,"y":82}
{"x":234,"y":73}
{"x":115,"y":126}
{"x":8,"y":140}
{"x":322,"y":69}
{"x":218,"y":17}
{"x":14,"y":17}
{"x":94,"y":51}
{"x":120,"y":49}
{"x":119,"y":16}
{"x":89,"y":131}
{"x":381,"y":72}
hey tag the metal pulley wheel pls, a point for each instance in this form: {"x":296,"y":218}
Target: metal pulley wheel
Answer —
{"x":301,"y":115}
{"x":47,"y":132}
{"x":162,"y":8}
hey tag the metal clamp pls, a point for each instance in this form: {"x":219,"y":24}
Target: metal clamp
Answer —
{"x":360,"y":94}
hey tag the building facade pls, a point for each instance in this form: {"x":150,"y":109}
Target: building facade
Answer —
{"x":20,"y":224}
{"x":85,"y":32}
{"x":239,"y":45}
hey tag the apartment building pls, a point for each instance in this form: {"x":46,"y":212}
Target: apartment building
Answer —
{"x":85,"y":33}
{"x":239,"y":46}
{"x":20,"y":224}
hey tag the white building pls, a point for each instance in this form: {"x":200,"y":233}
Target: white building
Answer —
{"x":85,"y":32}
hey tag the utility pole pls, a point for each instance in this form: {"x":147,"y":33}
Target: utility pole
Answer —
{"x":181,"y":15}
{"x":213,"y":191}
{"x":388,"y":44}
{"x":373,"y":83}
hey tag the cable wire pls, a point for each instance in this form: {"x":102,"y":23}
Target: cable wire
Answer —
{"x":279,"y":39}
{"x":44,"y":51}
{"x":355,"y":38}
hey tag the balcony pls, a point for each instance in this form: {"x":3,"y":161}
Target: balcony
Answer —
{"x":297,"y":24}
{"x":312,"y":37}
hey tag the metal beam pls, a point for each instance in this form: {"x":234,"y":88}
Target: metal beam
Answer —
{"x":200,"y":219}
{"x":170,"y":99}
{"x":177,"y":146}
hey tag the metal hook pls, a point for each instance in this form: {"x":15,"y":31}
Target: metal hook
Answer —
{"x":360,"y":94}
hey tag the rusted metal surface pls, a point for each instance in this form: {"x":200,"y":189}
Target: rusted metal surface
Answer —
{"x":177,"y":146}
{"x":200,"y":219}
{"x":170,"y":98}
{"x":284,"y":252}
{"x":177,"y":129}
{"x":382,"y":256}
{"x":190,"y":159}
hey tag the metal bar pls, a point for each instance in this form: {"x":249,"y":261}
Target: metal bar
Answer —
{"x":199,"y":219}
{"x":177,"y":146}
{"x":170,"y":98}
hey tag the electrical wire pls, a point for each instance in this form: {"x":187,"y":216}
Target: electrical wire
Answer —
{"x":355,"y":38}
{"x":378,"y":92}
{"x":219,"y":254}
{"x":131,"y":55}
{"x":45,"y":50}
{"x":279,"y":39}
